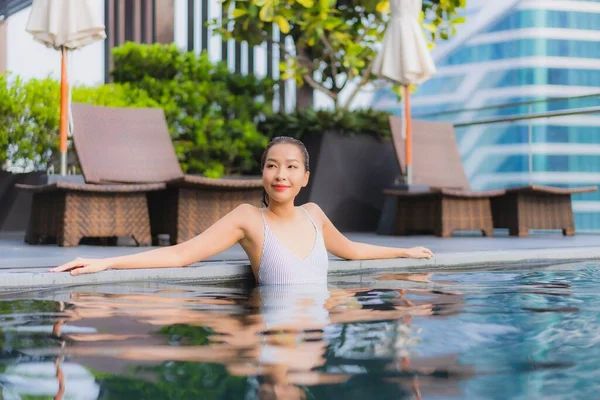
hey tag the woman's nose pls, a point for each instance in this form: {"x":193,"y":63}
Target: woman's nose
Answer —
{"x":281,"y":174}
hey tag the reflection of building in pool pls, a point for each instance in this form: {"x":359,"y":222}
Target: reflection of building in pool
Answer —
{"x":531,"y":328}
{"x":380,"y":336}
{"x":518,"y":51}
{"x":39,"y":379}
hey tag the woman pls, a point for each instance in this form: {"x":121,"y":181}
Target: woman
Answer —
{"x":285,"y":244}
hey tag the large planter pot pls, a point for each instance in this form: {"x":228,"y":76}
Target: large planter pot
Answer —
{"x":348,"y":175}
{"x":15,"y":205}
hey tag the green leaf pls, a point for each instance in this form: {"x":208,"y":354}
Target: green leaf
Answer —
{"x":323,"y":6}
{"x":430,"y":27}
{"x":306,"y":3}
{"x":267,"y":12}
{"x":332,"y":23}
{"x":238,"y":12}
{"x":459,"y":20}
{"x":383,"y":7}
{"x":284,"y":25}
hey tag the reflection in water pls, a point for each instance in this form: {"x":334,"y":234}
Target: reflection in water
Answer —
{"x":400,"y":335}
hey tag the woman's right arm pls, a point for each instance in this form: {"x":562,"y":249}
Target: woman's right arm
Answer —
{"x":220,"y":236}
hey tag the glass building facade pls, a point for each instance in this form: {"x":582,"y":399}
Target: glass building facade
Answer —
{"x":533,"y":51}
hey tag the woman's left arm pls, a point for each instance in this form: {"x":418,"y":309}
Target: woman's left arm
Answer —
{"x":340,"y":246}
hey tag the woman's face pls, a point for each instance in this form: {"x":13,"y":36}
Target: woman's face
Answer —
{"x":284,"y":173}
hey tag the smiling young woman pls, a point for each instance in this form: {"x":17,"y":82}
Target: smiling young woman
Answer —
{"x":284,"y":243}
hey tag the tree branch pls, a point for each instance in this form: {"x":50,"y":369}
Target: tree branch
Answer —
{"x":349,"y":77}
{"x":365,"y":79}
{"x":334,"y":70}
{"x":307,"y":62}
{"x":309,"y":65}
{"x":316,"y":85}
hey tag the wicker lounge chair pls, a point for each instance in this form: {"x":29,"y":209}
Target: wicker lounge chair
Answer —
{"x":519,"y":209}
{"x":536,"y":207}
{"x":133,"y":146}
{"x":69,"y":211}
{"x":448,"y":205}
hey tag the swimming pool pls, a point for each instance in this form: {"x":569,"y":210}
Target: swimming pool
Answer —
{"x":512,"y":333}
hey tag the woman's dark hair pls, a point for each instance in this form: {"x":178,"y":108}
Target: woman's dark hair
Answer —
{"x":282,"y":140}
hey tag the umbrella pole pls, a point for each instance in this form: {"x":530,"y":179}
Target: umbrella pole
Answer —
{"x":64,"y":99}
{"x":408,"y":139}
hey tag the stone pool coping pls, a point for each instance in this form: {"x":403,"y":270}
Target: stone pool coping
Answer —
{"x":35,"y":276}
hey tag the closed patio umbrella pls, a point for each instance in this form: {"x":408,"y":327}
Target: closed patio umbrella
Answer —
{"x":65,"y":25}
{"x":405,"y":59}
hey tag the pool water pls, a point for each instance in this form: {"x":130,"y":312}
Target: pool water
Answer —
{"x":528,"y":333}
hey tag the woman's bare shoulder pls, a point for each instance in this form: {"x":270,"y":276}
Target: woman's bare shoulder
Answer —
{"x":246,"y":210}
{"x":316,"y":212}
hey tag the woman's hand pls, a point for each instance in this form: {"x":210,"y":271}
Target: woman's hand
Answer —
{"x":418,"y":252}
{"x":84,"y":266}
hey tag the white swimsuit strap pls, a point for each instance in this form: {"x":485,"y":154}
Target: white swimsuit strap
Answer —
{"x":310,"y":218}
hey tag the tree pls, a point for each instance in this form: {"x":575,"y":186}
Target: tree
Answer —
{"x":335,"y":41}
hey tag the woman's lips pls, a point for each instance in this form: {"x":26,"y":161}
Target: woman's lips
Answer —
{"x":280,"y":188}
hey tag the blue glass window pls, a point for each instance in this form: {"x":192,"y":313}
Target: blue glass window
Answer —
{"x":547,"y":19}
{"x":444,"y":84}
{"x":587,"y":221}
{"x":524,"y":48}
{"x":542,"y":76}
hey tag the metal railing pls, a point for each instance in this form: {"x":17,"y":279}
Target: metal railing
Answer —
{"x":521,"y":117}
{"x":530,"y":118}
{"x":507,"y":105}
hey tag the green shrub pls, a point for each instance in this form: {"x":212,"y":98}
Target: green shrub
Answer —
{"x":212,"y":112}
{"x":29,"y":117}
{"x":306,"y":123}
{"x":28,"y":122}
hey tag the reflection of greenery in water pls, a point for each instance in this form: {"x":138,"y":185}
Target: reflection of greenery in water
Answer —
{"x":27,"y":306}
{"x":187,"y":380}
{"x":20,"y":314}
{"x":175,"y":380}
{"x":187,"y":334}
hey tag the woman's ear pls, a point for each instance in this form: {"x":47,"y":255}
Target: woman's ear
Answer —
{"x":306,"y":176}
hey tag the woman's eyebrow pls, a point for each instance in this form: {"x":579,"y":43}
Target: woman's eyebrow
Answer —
{"x":288,"y":160}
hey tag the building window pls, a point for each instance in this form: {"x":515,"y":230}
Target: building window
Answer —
{"x":541,"y":76}
{"x":441,"y":85}
{"x":524,"y":48}
{"x":547,"y":19}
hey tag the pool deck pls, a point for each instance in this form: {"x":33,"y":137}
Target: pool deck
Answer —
{"x":24,"y":266}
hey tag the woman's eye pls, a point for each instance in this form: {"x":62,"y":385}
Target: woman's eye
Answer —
{"x":270,"y":165}
{"x":292,"y":166}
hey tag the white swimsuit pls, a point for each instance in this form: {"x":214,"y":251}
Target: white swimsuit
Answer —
{"x":279,"y":266}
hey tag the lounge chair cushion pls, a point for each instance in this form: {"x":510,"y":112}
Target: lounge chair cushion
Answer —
{"x":201,"y":181}
{"x":84,"y":187}
{"x":446,"y":191}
